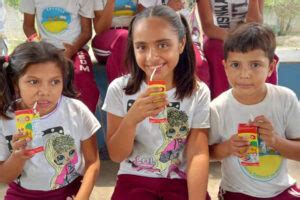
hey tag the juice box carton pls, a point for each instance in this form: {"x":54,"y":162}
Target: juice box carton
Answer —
{"x":162,"y":116}
{"x":25,"y":121}
{"x":251,"y":157}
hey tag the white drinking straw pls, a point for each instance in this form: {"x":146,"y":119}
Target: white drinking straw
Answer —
{"x":152,"y":75}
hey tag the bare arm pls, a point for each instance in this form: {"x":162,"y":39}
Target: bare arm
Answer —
{"x":11,"y":168}
{"x":82,"y":39}
{"x":28,"y":24}
{"x":255,"y":11}
{"x":197,"y":164}
{"x":103,"y":18}
{"x":92,"y":167}
{"x":207,"y":22}
{"x":121,"y":130}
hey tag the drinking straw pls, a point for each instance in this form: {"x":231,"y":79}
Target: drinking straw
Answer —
{"x":152,"y":75}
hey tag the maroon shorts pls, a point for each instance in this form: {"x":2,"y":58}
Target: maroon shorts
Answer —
{"x":131,"y":187}
{"x":16,"y":192}
{"x":291,"y":193}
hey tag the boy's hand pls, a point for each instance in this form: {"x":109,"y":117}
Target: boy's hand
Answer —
{"x":147,"y":105}
{"x":237,"y":145}
{"x":265,"y":130}
{"x":19,"y":146}
{"x":69,"y":50}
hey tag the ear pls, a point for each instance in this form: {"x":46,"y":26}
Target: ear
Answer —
{"x":182,"y":44}
{"x":272,"y":67}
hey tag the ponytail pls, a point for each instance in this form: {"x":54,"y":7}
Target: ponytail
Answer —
{"x":6,"y":87}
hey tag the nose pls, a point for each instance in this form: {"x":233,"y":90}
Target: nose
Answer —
{"x":43,"y":90}
{"x":152,"y":55}
{"x":245,"y":72}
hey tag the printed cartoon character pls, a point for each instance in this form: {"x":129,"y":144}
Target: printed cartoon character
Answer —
{"x":174,"y":138}
{"x":61,"y":154}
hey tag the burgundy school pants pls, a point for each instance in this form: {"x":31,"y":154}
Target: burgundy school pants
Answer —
{"x":131,"y":187}
{"x":202,"y":68}
{"x":16,"y":192}
{"x":110,"y":47}
{"x":214,"y":53}
{"x":84,"y":79}
{"x":292,"y":193}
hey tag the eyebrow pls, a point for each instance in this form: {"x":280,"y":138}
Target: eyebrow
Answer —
{"x":55,"y":77}
{"x":157,"y":41}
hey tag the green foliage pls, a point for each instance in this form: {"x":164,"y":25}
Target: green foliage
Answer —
{"x":286,"y":11}
{"x":12,"y":3}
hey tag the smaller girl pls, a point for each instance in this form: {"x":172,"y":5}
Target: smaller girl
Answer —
{"x":167,"y":160}
{"x":39,"y":74}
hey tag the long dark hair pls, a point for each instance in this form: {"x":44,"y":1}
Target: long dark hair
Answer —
{"x":15,"y":65}
{"x":184,"y":72}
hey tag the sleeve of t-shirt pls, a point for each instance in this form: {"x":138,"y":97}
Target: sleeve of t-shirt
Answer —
{"x":149,"y":3}
{"x":292,"y":130}
{"x":201,"y":116}
{"x":27,"y":6}
{"x":86,"y":8}
{"x":90,"y":123}
{"x":113,"y":100}
{"x":99,"y":4}
{"x":4,"y":151}
{"x":214,"y":136}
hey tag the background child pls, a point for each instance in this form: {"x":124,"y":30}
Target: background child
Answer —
{"x":39,"y":73}
{"x":112,"y":18}
{"x":67,"y":25}
{"x":3,"y":45}
{"x":167,"y":160}
{"x":217,"y":17}
{"x":188,"y":9}
{"x":249,"y":53}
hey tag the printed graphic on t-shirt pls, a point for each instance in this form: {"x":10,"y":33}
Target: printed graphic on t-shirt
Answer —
{"x":60,"y":152}
{"x":55,"y":19}
{"x":125,"y":8}
{"x":228,"y":10}
{"x":270,"y":163}
{"x":166,"y":159}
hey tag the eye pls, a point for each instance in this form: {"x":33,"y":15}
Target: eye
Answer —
{"x":60,"y":159}
{"x":71,"y":152}
{"x":163,"y":45}
{"x":32,"y":82}
{"x":183,"y":129}
{"x":171,"y":132}
{"x":140,"y":47}
{"x":234,"y":65}
{"x":255,"y":65}
{"x":55,"y":82}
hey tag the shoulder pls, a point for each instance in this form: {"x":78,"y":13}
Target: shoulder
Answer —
{"x":222,"y":100}
{"x":281,"y":92}
{"x":72,"y":105}
{"x":119,"y":83}
{"x":202,"y":89}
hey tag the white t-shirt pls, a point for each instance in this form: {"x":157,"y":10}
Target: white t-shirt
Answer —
{"x":190,"y":14}
{"x":61,"y":133}
{"x":229,"y":13}
{"x":58,"y":21}
{"x":123,"y":12}
{"x":2,"y":16}
{"x":269,"y":179}
{"x":158,"y":148}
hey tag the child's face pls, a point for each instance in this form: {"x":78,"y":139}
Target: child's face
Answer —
{"x":156,"y":43}
{"x":247,"y":73}
{"x":41,"y":83}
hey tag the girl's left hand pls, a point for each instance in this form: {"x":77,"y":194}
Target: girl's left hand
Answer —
{"x":266,"y":130}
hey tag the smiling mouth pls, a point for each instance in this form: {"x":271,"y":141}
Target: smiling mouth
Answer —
{"x":156,"y":66}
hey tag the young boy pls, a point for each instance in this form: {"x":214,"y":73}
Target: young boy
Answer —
{"x":249,"y":52}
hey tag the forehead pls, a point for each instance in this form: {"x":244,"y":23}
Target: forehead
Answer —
{"x":43,"y":69}
{"x":256,"y":54}
{"x":152,"y":29}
